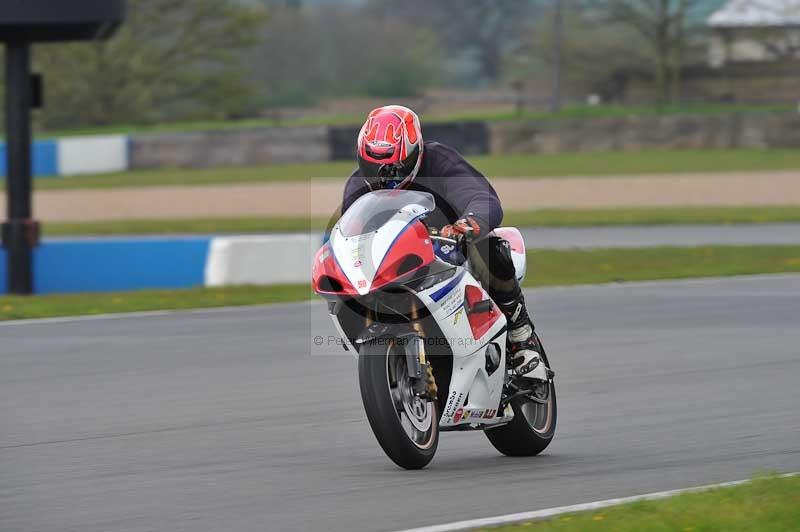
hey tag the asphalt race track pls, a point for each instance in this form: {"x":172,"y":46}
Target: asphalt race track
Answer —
{"x":234,"y":420}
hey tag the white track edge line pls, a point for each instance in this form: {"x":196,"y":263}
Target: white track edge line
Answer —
{"x":573,"y":508}
{"x":223,"y":310}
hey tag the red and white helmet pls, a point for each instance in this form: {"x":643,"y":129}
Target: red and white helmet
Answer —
{"x":390,"y":147}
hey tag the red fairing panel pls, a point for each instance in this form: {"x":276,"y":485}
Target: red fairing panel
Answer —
{"x":325,"y":265}
{"x":480,"y":322}
{"x":410,"y":251}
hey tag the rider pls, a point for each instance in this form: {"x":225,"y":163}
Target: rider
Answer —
{"x":392,"y":154}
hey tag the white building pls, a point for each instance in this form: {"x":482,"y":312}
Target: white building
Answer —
{"x":755,"y":31}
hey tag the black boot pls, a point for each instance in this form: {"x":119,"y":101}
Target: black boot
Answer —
{"x":523,"y":344}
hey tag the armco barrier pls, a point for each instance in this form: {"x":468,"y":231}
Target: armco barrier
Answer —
{"x":134,"y":263}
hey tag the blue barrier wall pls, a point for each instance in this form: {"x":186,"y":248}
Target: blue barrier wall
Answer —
{"x":109,"y":264}
{"x":44,"y":156}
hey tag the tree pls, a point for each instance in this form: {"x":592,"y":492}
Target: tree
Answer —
{"x":663,"y":24}
{"x":312,"y":52}
{"x":170,"y":60}
{"x":481,"y":32}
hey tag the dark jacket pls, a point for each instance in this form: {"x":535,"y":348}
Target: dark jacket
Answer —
{"x":458,"y":188}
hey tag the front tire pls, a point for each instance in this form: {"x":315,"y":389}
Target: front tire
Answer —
{"x":533,"y":426}
{"x":406,"y":427}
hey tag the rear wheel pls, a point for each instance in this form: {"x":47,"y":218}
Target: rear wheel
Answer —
{"x":406,"y":426}
{"x":534,"y":423}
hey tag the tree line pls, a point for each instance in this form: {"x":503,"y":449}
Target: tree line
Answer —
{"x":228,"y":59}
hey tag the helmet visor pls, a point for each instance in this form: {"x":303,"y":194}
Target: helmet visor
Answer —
{"x":383,"y":174}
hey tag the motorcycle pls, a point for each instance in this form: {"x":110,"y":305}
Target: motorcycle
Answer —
{"x":430,"y":343}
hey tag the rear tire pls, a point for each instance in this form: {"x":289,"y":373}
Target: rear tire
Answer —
{"x":533,"y":426}
{"x":383,"y":380}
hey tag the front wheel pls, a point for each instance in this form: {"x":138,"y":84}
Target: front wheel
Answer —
{"x":406,"y":426}
{"x":534,"y":423}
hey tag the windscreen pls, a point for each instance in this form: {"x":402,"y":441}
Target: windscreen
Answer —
{"x":371,"y":211}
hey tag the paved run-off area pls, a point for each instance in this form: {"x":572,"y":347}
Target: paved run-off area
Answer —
{"x":322,"y":198}
{"x":234,"y":420}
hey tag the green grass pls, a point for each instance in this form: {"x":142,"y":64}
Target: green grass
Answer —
{"x":186,"y":226}
{"x":652,"y":216}
{"x":586,"y":266}
{"x":579,"y":111}
{"x":538,"y":218}
{"x":24,"y":307}
{"x":767,"y":504}
{"x":546,"y":268}
{"x":523,"y":166}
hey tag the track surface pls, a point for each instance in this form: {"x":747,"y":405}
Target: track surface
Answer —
{"x":234,"y":420}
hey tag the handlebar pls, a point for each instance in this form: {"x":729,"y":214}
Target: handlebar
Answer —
{"x":438,"y":238}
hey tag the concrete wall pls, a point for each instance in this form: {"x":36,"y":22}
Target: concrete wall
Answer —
{"x":471,"y":138}
{"x":320,"y":144}
{"x":774,"y":130}
{"x":251,"y":147}
{"x":242,"y":147}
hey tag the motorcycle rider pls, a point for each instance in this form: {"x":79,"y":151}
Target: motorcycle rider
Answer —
{"x":392,"y":154}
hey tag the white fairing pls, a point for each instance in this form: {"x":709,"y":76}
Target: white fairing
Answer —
{"x":518,"y":255}
{"x":474,"y":394}
{"x":470,"y":378}
{"x":360,"y":255}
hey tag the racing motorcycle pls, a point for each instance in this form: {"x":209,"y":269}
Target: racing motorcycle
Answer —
{"x":430,"y":343}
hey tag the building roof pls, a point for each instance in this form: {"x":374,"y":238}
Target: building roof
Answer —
{"x":756,"y":13}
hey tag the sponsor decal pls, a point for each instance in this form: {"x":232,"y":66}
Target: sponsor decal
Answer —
{"x":447,"y":249}
{"x":464,"y":415}
{"x":457,"y":316}
{"x":362,"y":283}
{"x":357,"y":264}
{"x":452,"y":402}
{"x":477,"y":414}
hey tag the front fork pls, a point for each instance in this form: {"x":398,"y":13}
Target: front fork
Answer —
{"x":419,"y":369}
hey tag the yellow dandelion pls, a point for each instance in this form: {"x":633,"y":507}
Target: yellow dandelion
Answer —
{"x":7,"y":308}
{"x":598,"y":518}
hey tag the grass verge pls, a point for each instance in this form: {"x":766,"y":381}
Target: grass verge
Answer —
{"x":21,"y":307}
{"x":547,"y":267}
{"x":766,"y":504}
{"x":586,"y":266}
{"x":522,"y":166}
{"x":537,"y":218}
